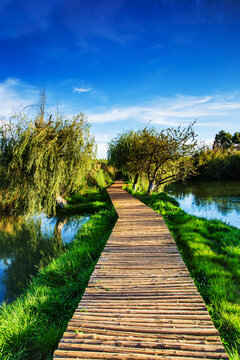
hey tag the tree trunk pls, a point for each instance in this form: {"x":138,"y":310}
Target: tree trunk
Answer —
{"x":150,"y":188}
{"x":58,"y":229}
{"x":135,"y":181}
{"x":61,"y":201}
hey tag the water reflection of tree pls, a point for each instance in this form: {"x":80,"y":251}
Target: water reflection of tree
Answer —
{"x":24,"y":248}
{"x":58,"y":227}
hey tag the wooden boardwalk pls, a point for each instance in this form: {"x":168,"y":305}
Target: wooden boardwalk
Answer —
{"x":141,"y":302}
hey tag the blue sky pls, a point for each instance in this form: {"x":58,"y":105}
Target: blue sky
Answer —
{"x":124,"y":62}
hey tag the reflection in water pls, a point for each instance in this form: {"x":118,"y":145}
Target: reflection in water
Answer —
{"x":212,"y":200}
{"x":66,"y":227}
{"x":26,"y":245}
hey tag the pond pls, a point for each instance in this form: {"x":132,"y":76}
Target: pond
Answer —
{"x":27,"y":244}
{"x":209,"y":199}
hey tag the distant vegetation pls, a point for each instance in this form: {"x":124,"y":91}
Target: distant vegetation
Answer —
{"x":224,"y":140}
{"x":218,"y":164}
{"x":222,"y":161}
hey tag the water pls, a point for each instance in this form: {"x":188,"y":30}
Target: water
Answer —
{"x":212,"y":200}
{"x":26,"y":245}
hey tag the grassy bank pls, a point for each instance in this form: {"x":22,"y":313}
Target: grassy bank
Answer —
{"x":92,"y":201}
{"x":31,"y":327}
{"x":211,"y":251}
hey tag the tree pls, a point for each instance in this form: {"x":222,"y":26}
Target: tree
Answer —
{"x":42,"y":161}
{"x":223,"y":140}
{"x":236,"y":139}
{"x":163,"y":156}
{"x":168,"y":155}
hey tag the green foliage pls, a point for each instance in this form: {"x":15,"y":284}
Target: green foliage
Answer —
{"x":210,"y":250}
{"x":223,"y":140}
{"x":101,"y":175}
{"x":236,"y":140}
{"x":31,"y":327}
{"x":40,"y":160}
{"x":167,"y":155}
{"x":218,"y":164}
{"x":162,"y":156}
{"x":124,"y":153}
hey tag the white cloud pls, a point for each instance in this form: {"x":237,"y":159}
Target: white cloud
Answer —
{"x":102,"y":138}
{"x":80,"y":90}
{"x":206,"y":142}
{"x":101,"y":151}
{"x":14,"y":96}
{"x":211,"y":110}
{"x":102,"y":141}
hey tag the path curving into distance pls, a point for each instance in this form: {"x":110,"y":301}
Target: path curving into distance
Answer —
{"x":141,"y":302}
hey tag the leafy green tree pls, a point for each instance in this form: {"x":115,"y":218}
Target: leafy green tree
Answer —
{"x":168,"y":155}
{"x":236,"y":139}
{"x":42,"y":161}
{"x":223,"y":140}
{"x":162,"y":156}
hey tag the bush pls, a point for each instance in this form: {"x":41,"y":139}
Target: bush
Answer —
{"x":219,"y":164}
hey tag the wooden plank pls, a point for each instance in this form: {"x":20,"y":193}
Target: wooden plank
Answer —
{"x":141,"y":302}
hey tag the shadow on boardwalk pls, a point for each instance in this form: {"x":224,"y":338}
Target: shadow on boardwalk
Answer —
{"x":141,"y":302}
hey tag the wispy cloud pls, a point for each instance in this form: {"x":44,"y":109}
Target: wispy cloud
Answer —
{"x":14,"y":96}
{"x":102,"y":141}
{"x":213,"y":112}
{"x":209,"y":110}
{"x":81,"y":90}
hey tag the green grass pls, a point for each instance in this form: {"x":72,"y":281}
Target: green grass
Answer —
{"x":31,"y":327}
{"x":92,"y":201}
{"x":211,"y":251}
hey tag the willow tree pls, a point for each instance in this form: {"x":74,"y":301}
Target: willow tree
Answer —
{"x":122,"y":154}
{"x":42,"y":161}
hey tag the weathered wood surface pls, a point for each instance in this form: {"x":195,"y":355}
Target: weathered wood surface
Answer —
{"x":141,"y":302}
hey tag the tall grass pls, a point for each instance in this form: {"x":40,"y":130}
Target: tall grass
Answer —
{"x":31,"y":327}
{"x":211,"y":251}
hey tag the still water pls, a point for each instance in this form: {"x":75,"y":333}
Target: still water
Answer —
{"x":26,"y":245}
{"x":212,"y":200}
